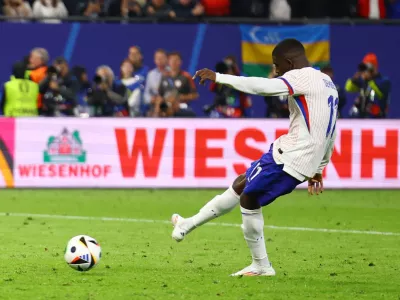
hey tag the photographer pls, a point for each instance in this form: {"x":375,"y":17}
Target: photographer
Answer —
{"x":277,"y":106}
{"x":170,"y":106}
{"x":59,"y":89}
{"x":107,"y":97}
{"x":374,"y":90}
{"x":228,"y":103}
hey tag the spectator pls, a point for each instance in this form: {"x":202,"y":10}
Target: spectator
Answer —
{"x":217,"y":7}
{"x":135,"y":56}
{"x":328,"y":70}
{"x":107,"y":96}
{"x":18,"y":10}
{"x":101,"y":8}
{"x":277,"y":106}
{"x":38,"y":61}
{"x":135,"y":86}
{"x":20,"y":95}
{"x":37,"y":68}
{"x":372,"y":9}
{"x":154,"y":77}
{"x":170,"y":107}
{"x":374,"y":89}
{"x":159,"y":9}
{"x":93,"y":9}
{"x":279,"y":10}
{"x":131,"y":8}
{"x":228,"y":103}
{"x":179,"y":81}
{"x":52,"y":10}
{"x":187,"y":8}
{"x":59,"y":89}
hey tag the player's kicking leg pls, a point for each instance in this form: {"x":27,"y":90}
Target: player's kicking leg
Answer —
{"x":218,"y":206}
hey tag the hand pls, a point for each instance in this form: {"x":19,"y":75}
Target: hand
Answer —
{"x":53,"y":85}
{"x":172,"y":14}
{"x":198,"y":10}
{"x":315,"y":184}
{"x":103,"y":86}
{"x":357,"y":75}
{"x":150,"y":10}
{"x":366,"y":75}
{"x":205,"y":74}
{"x":158,"y":100}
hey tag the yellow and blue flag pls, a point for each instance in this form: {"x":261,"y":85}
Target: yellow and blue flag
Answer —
{"x":259,"y":41}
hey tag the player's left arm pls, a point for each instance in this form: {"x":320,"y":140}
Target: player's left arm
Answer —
{"x":248,"y":85}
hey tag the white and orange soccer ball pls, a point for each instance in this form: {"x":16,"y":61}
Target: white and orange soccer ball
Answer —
{"x":82,"y":253}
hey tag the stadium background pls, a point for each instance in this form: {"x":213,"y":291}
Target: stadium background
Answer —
{"x":200,"y":45}
{"x":341,"y":245}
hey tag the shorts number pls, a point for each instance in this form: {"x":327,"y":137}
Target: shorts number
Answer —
{"x":256,"y":170}
{"x":333,"y":104}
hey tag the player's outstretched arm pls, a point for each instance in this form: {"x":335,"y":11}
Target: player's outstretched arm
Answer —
{"x":249,"y":85}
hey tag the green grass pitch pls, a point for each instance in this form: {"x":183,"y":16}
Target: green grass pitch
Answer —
{"x":141,"y":261}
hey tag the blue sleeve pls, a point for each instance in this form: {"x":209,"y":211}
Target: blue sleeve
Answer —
{"x":135,"y":85}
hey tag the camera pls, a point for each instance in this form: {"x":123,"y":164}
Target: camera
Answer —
{"x":52,"y":72}
{"x":97,"y":79}
{"x":363,"y":67}
{"x":164,"y":106}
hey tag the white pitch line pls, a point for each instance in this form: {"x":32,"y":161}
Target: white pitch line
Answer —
{"x":131,"y":220}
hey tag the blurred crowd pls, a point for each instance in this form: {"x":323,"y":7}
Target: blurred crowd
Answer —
{"x":40,"y":87}
{"x":55,"y":89}
{"x":54,"y":10}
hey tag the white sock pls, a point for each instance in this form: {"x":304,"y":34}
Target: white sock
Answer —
{"x":253,"y":230}
{"x":218,"y":206}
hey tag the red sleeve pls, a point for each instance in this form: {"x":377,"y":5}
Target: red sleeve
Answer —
{"x":213,"y":87}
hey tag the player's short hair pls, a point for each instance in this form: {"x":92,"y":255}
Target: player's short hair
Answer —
{"x":175,"y":53}
{"x":288,"y":48}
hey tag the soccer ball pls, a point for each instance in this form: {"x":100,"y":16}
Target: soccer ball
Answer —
{"x":82,"y":253}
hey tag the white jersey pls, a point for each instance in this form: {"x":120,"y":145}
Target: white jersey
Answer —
{"x":313,"y":102}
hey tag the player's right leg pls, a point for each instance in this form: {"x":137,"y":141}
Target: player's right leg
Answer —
{"x":218,"y":206}
{"x":266,"y":181}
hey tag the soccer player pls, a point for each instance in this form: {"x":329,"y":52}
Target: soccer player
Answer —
{"x":299,"y":156}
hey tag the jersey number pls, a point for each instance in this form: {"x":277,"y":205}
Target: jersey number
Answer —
{"x":333,"y":104}
{"x":256,"y":170}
